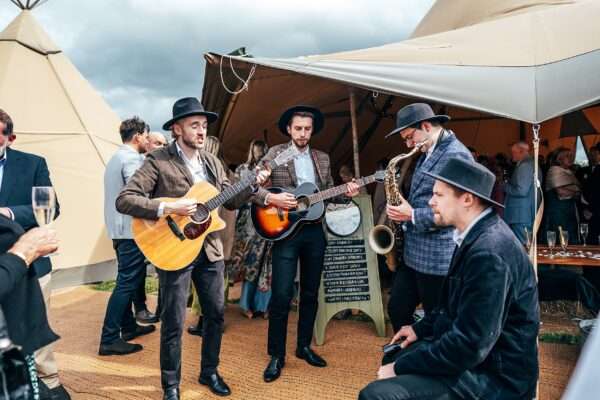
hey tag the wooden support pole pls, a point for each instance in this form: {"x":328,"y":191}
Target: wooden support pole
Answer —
{"x":354,"y":132}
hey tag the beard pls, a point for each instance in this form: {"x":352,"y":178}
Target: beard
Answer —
{"x":438,"y":219}
{"x":191,"y":143}
{"x":300,"y":143}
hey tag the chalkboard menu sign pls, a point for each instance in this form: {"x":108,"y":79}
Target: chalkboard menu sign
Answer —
{"x":350,"y":277}
{"x":345,"y":274}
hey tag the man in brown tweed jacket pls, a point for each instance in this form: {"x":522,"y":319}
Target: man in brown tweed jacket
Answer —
{"x":307,"y":245}
{"x":170,"y":172}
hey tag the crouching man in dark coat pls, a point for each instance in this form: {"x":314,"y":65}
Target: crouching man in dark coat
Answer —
{"x":480,"y":343}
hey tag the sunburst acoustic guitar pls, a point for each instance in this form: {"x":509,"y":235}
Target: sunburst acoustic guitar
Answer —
{"x":172,"y":242}
{"x":273,"y":223}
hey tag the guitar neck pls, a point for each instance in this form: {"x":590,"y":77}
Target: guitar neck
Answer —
{"x":338,"y":190}
{"x":231,"y":191}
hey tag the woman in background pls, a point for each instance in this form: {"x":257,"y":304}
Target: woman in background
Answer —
{"x":251,"y":255}
{"x":562,"y":193}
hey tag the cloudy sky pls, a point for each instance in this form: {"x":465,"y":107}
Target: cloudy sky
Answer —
{"x":144,"y":54}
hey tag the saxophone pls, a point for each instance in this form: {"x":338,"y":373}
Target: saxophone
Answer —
{"x":381,"y":237}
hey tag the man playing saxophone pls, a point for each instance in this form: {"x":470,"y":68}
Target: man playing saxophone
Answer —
{"x":428,"y":248}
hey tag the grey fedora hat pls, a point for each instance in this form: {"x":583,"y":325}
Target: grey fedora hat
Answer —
{"x":469,"y":176}
{"x":413,"y":114}
{"x":187,"y":107}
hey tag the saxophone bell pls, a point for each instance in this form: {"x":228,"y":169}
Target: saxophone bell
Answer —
{"x":381,"y":237}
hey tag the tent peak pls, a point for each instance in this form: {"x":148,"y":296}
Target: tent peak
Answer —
{"x":28,"y":4}
{"x":25,"y":29}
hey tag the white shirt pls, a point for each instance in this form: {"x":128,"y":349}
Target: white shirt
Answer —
{"x":305,"y":170}
{"x":2,"y":167}
{"x":194,"y":165}
{"x":460,"y":237}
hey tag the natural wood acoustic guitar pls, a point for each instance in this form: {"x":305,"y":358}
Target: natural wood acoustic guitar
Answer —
{"x":172,"y":242}
{"x":273,"y":223}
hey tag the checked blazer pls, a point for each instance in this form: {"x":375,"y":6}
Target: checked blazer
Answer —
{"x":427,"y":248}
{"x":284,"y":176}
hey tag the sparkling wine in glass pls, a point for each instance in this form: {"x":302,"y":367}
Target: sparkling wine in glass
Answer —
{"x":564,"y":241}
{"x":583,"y":231}
{"x":551,"y":238}
{"x":528,"y":239}
{"x":43,"y":201}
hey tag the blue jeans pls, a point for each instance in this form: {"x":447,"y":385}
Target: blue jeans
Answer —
{"x":131,"y":271}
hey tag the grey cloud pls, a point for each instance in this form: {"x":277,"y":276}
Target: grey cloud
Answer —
{"x":142,"y":55}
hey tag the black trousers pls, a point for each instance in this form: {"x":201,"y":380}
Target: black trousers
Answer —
{"x":407,"y":387}
{"x":308,"y":247}
{"x":174,"y":287}
{"x":410,"y":288}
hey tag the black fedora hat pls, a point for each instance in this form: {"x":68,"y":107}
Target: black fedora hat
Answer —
{"x":187,"y":107}
{"x":413,"y":114}
{"x":318,"y":118}
{"x":469,"y":176}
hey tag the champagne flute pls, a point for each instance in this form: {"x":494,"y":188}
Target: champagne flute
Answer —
{"x":584,"y":230}
{"x":551,"y":238}
{"x":564,"y":241}
{"x":43,"y":201}
{"x":527,"y":239}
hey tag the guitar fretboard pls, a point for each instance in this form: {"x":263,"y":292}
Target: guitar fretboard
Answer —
{"x":336,"y":191}
{"x":235,"y":189}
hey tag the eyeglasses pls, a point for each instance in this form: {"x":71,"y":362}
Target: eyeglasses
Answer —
{"x":409,"y":137}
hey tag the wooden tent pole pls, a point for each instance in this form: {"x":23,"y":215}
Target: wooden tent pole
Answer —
{"x":354,"y":132}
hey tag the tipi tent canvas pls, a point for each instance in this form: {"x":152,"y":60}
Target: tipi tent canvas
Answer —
{"x":57,"y":114}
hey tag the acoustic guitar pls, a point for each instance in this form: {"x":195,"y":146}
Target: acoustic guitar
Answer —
{"x":172,"y":242}
{"x":273,"y":223}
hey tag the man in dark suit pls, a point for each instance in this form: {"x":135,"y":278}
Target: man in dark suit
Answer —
{"x":427,"y":248}
{"x":171,"y":172}
{"x":480,"y":342}
{"x":307,"y":245}
{"x":19,"y":173}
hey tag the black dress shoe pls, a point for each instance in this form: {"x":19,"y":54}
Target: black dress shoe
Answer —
{"x":146,"y":317}
{"x":171,"y":394}
{"x":118,"y":348}
{"x":140,"y":330}
{"x":306,"y":354}
{"x":196,"y":330}
{"x":59,"y":393}
{"x":273,"y":370}
{"x":216,"y":384}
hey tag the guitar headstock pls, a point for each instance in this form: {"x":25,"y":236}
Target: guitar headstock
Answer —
{"x":379,"y":175}
{"x":284,"y":157}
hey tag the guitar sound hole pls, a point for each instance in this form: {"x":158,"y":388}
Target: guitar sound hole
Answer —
{"x":303,"y":204}
{"x":194,"y":230}
{"x":201,"y":215}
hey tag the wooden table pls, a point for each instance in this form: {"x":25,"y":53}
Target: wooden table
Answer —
{"x":580,"y":256}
